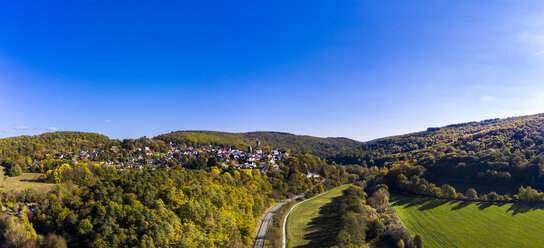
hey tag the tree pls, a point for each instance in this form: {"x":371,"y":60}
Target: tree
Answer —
{"x":14,"y":232}
{"x":54,"y":241}
{"x":375,"y":228}
{"x":85,"y":226}
{"x":471,"y":194}
{"x":418,"y":241}
{"x":397,"y":231}
{"x":492,"y":196}
{"x":324,"y":172}
{"x":61,"y":174}
{"x":212,"y":161}
{"x":448,"y":191}
{"x":379,"y":199}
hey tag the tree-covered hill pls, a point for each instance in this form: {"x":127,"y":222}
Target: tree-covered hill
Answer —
{"x":35,"y":147}
{"x":322,"y":147}
{"x":53,"y":141}
{"x":499,"y":152}
{"x":18,"y":153}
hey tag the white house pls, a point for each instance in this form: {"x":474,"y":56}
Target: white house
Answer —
{"x":312,"y":175}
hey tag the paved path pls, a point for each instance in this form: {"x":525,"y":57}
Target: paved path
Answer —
{"x":259,"y":242}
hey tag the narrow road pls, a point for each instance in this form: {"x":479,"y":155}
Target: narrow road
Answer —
{"x":259,"y":242}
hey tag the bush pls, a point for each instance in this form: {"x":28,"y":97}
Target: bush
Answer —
{"x":15,"y":171}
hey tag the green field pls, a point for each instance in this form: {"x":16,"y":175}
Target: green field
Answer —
{"x":23,"y":182}
{"x":444,"y":223}
{"x":315,"y":223}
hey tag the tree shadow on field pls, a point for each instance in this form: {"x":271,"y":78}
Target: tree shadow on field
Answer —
{"x":406,"y":202}
{"x":521,"y":208}
{"x":432,"y":204}
{"x":460,"y":205}
{"x":425,"y":203}
{"x":422,"y":203}
{"x":324,"y":228}
{"x":484,"y":205}
{"x":37,"y":180}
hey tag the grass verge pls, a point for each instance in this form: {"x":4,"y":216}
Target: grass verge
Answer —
{"x":315,"y":222}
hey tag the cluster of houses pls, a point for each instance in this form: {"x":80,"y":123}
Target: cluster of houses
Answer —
{"x":145,"y":157}
{"x":17,"y":209}
{"x":140,"y":158}
{"x":250,"y":158}
{"x":83,"y":154}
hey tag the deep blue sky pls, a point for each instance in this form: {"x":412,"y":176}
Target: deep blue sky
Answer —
{"x":358,"y":69}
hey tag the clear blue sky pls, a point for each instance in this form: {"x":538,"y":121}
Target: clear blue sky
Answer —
{"x":358,"y":69}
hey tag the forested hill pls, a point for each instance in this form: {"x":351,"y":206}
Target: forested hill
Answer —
{"x":322,"y":147}
{"x":498,"y":151}
{"x":39,"y":145}
{"x":485,"y":135}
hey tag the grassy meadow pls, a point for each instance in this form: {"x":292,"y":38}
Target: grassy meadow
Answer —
{"x":23,"y":182}
{"x":444,"y":223}
{"x":315,"y":223}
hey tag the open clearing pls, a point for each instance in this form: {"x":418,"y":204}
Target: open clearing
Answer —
{"x":444,"y":223}
{"x":23,"y":182}
{"x":315,"y":223}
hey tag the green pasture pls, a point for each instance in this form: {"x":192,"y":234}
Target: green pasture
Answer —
{"x":444,"y":223}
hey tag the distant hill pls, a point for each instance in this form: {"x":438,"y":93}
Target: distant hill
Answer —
{"x":502,"y":152}
{"x":459,"y":136}
{"x":322,"y":147}
{"x":52,"y":142}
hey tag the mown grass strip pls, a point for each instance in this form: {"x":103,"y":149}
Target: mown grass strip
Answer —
{"x":313,"y":223}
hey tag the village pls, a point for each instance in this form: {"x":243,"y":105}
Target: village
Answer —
{"x":176,"y":155}
{"x":144,"y":157}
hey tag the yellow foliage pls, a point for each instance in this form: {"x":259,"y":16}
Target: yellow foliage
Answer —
{"x":247,"y":172}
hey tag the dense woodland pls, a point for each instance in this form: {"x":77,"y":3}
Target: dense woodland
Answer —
{"x":505,"y":153}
